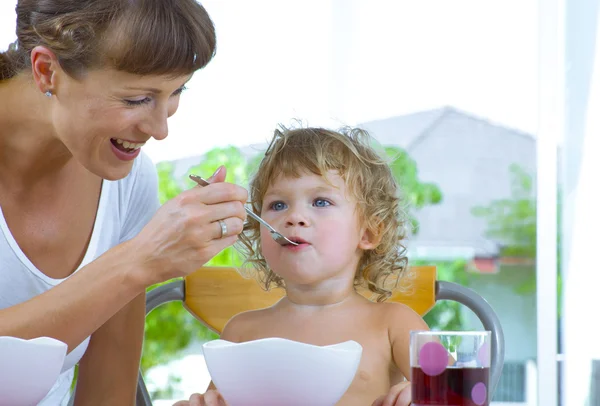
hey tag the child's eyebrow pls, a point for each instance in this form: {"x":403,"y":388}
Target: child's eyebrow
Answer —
{"x":316,"y":189}
{"x":271,"y":192}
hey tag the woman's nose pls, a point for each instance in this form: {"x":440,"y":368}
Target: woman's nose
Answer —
{"x":156,"y":125}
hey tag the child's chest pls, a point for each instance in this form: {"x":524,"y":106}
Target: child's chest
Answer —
{"x":376,"y":371}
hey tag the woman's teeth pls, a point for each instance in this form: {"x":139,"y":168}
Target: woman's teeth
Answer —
{"x":122,"y":144}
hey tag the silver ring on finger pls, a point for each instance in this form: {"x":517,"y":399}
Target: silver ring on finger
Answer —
{"x":223,"y":228}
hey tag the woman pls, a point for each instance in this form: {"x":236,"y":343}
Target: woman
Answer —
{"x":82,"y":236}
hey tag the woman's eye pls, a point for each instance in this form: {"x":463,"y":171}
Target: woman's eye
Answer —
{"x":321,"y":203}
{"x":140,"y":102}
{"x":179,"y":91}
{"x":147,"y":100}
{"x":277,"y":206}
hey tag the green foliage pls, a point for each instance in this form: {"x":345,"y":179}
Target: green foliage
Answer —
{"x":513,"y":223}
{"x":446,"y":314}
{"x":416,"y":193}
{"x":170,"y":328}
{"x":168,"y":188}
{"x":237,"y":172}
{"x":231,"y":157}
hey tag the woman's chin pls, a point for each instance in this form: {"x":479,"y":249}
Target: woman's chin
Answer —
{"x":110,"y":170}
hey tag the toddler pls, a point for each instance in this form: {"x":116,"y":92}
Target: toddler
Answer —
{"x":331,"y":193}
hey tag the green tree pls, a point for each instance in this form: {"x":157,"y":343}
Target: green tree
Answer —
{"x":417,"y":194}
{"x":445,"y":315}
{"x":512,"y":222}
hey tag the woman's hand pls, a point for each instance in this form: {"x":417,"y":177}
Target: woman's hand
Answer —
{"x":399,"y":395}
{"x":185,"y":232}
{"x":210,"y":398}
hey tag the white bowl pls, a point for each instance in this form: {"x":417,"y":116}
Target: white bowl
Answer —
{"x":280,"y":372}
{"x":29,"y":369}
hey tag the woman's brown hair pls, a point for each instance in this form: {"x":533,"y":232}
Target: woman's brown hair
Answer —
{"x":159,"y":37}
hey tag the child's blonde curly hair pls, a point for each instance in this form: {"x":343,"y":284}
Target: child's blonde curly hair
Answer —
{"x":370,"y":181}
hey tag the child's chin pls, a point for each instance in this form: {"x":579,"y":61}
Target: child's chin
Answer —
{"x":301,"y":278}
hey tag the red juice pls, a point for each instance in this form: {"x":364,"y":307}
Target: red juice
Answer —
{"x":453,"y":387}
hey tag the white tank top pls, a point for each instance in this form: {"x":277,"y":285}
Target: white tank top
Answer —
{"x":125,"y":206}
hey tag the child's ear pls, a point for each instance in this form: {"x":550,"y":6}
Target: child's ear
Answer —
{"x":370,"y":239}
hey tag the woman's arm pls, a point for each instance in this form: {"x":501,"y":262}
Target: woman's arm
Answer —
{"x":180,"y":238}
{"x":108,"y":371}
{"x":77,"y":307}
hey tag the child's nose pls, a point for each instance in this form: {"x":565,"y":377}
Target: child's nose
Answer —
{"x":295,"y":217}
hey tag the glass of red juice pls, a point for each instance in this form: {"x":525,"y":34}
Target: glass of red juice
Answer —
{"x":450,"y":368}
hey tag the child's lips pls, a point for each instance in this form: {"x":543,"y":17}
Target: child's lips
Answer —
{"x":302,"y":243}
{"x":297,"y":240}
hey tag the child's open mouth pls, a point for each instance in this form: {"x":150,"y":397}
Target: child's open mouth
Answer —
{"x":301,"y":243}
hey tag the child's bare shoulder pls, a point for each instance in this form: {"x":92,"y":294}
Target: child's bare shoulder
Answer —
{"x":244,"y":324}
{"x":401,"y":317}
{"x":399,"y":320}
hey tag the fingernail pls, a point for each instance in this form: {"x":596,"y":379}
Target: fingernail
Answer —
{"x":217,"y":171}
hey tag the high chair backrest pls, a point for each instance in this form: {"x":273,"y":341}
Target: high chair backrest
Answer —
{"x":215,"y":294}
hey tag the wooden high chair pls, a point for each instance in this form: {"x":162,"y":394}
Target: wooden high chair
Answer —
{"x":215,"y":294}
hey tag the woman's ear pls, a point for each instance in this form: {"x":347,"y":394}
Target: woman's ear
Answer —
{"x":44,"y":65}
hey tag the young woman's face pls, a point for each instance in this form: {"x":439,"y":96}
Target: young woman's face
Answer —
{"x":107,"y":116}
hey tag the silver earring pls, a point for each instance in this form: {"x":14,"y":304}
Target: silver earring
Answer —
{"x":48,"y":93}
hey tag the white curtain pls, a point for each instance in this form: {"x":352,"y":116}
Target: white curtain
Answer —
{"x":582,"y":283}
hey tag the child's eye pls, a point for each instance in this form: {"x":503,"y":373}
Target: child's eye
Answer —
{"x":321,"y":203}
{"x":277,"y":206}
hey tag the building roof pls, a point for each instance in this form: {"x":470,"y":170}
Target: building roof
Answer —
{"x":468,"y":158}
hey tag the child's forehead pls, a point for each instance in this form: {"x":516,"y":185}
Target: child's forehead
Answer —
{"x":309,"y":183}
{"x":330,"y":178}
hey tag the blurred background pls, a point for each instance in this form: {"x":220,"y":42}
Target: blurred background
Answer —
{"x":466,"y":96}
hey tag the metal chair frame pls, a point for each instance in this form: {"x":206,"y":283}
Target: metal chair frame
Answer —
{"x":175,"y":291}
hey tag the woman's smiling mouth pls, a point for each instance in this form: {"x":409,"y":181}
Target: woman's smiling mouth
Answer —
{"x":125,"y":150}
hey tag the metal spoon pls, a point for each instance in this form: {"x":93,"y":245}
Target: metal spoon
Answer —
{"x":279,"y":238}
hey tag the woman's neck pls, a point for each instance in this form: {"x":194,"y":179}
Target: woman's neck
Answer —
{"x":29,"y":148}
